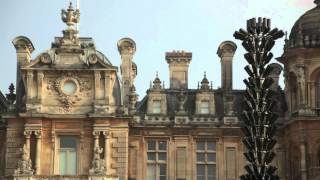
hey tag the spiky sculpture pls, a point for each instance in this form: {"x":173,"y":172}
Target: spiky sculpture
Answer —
{"x":259,"y":120}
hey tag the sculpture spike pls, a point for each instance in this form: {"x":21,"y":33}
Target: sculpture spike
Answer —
{"x":257,"y":114}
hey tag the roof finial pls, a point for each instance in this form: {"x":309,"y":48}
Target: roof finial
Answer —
{"x":70,"y":16}
{"x":317,"y":2}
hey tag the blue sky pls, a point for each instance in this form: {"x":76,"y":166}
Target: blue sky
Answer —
{"x":156,"y":26}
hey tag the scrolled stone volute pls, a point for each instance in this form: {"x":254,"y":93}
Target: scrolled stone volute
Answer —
{"x":23,"y":42}
{"x":226,"y":48}
{"x":24,"y":48}
{"x":126,"y":46}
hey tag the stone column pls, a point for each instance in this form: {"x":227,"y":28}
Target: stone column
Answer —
{"x":38,"y":151}
{"x":106,"y":147}
{"x":96,"y":139}
{"x":27,"y":135}
{"x":301,"y":85}
{"x":303,"y":162}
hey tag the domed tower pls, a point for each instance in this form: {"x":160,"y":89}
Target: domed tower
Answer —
{"x":300,"y":136}
{"x":301,"y":60}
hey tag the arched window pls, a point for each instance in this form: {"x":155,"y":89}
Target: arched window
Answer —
{"x":318,"y":91}
{"x":293,"y":88}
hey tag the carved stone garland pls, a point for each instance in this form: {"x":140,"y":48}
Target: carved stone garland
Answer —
{"x":69,"y":100}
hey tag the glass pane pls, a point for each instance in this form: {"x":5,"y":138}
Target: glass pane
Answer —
{"x":200,"y":170}
{"x":200,"y":157}
{"x":200,"y":178}
{"x":211,"y":171}
{"x":68,"y":142}
{"x":151,"y":145}
{"x":156,"y":107}
{"x":211,"y":157}
{"x":151,"y":156}
{"x":72,"y":162}
{"x":204,"y":107}
{"x":163,"y":145}
{"x":151,"y":172}
{"x":211,"y":146}
{"x":211,"y":178}
{"x":163,"y":169}
{"x":69,"y":87}
{"x":162,"y":156}
{"x":62,"y":162}
{"x":200,"y":145}
{"x":162,"y":177}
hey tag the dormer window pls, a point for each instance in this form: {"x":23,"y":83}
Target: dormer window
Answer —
{"x":204,"y":107}
{"x":156,"y":107}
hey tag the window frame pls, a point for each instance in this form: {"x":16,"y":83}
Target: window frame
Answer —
{"x":153,"y":106}
{"x":157,"y":163}
{"x":202,"y":107}
{"x":205,"y":162}
{"x":56,"y":158}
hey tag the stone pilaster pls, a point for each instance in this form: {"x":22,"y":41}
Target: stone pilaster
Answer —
{"x":40,"y":76}
{"x":97,"y":84}
{"x":29,"y":85}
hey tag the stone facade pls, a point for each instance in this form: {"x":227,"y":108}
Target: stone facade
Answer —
{"x":72,"y":118}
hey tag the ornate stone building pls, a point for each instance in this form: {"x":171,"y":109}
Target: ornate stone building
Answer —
{"x":75,"y":117}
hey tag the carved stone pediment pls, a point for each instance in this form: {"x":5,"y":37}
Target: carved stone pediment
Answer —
{"x":43,"y":60}
{"x":95,"y":61}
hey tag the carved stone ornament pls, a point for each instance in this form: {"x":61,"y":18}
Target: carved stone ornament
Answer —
{"x":182,"y":98}
{"x":69,"y":88}
{"x":45,"y":58}
{"x":92,"y":59}
{"x":24,"y":164}
{"x":98,"y":164}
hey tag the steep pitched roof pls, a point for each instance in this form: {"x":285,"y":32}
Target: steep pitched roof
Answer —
{"x":3,"y":102}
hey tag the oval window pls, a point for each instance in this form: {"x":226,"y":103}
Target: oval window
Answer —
{"x":69,"y":87}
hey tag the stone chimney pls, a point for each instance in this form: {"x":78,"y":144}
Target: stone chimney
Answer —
{"x":226,"y":52}
{"x":24,"y":49}
{"x":127,"y":48}
{"x":178,"y":68}
{"x":275,"y":73}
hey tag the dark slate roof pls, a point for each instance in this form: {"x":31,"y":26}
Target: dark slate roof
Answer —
{"x":220,"y":95}
{"x":3,"y":102}
{"x":306,"y":30}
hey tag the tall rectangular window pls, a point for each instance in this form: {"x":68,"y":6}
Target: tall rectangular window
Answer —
{"x":206,"y":160}
{"x":68,"y":155}
{"x":204,"y":107}
{"x":156,"y":107}
{"x":157,"y":160}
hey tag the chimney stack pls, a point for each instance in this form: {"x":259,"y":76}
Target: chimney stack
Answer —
{"x":178,"y":68}
{"x":127,"y":48}
{"x":226,"y":52}
{"x":24,"y":49}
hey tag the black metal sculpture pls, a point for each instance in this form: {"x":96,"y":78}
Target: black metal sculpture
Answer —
{"x":259,"y":120}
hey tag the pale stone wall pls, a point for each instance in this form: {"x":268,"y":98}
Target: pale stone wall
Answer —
{"x":181,"y":151}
